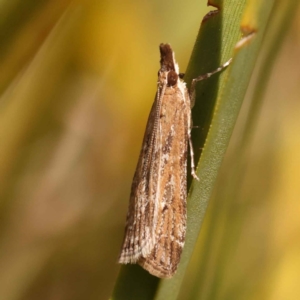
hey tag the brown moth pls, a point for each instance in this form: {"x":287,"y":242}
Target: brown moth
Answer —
{"x":156,"y":219}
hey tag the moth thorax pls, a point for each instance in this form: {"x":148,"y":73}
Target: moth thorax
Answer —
{"x":172,"y":78}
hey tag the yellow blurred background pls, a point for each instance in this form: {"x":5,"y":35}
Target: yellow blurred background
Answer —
{"x":77,"y":81}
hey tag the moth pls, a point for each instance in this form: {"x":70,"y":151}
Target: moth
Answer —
{"x":156,"y":219}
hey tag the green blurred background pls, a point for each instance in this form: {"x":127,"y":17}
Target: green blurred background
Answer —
{"x":77,"y":82}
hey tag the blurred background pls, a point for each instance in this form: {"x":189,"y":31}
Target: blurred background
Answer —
{"x":77,"y":82}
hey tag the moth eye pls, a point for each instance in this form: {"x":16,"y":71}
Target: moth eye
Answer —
{"x":172,"y":78}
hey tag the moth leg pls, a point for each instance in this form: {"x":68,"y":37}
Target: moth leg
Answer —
{"x":205,"y":76}
{"x":192,"y":99}
{"x":192,"y":155}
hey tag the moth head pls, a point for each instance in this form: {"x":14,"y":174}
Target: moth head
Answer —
{"x":172,"y":78}
{"x":168,"y":63}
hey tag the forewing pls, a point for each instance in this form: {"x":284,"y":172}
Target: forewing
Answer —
{"x":139,"y":230}
{"x":170,"y":225}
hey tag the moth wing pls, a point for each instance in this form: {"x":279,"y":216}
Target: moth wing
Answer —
{"x":139,"y":230}
{"x":171,"y":214}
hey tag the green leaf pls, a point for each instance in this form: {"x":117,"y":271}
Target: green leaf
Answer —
{"x":135,"y":283}
{"x":211,"y":273}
